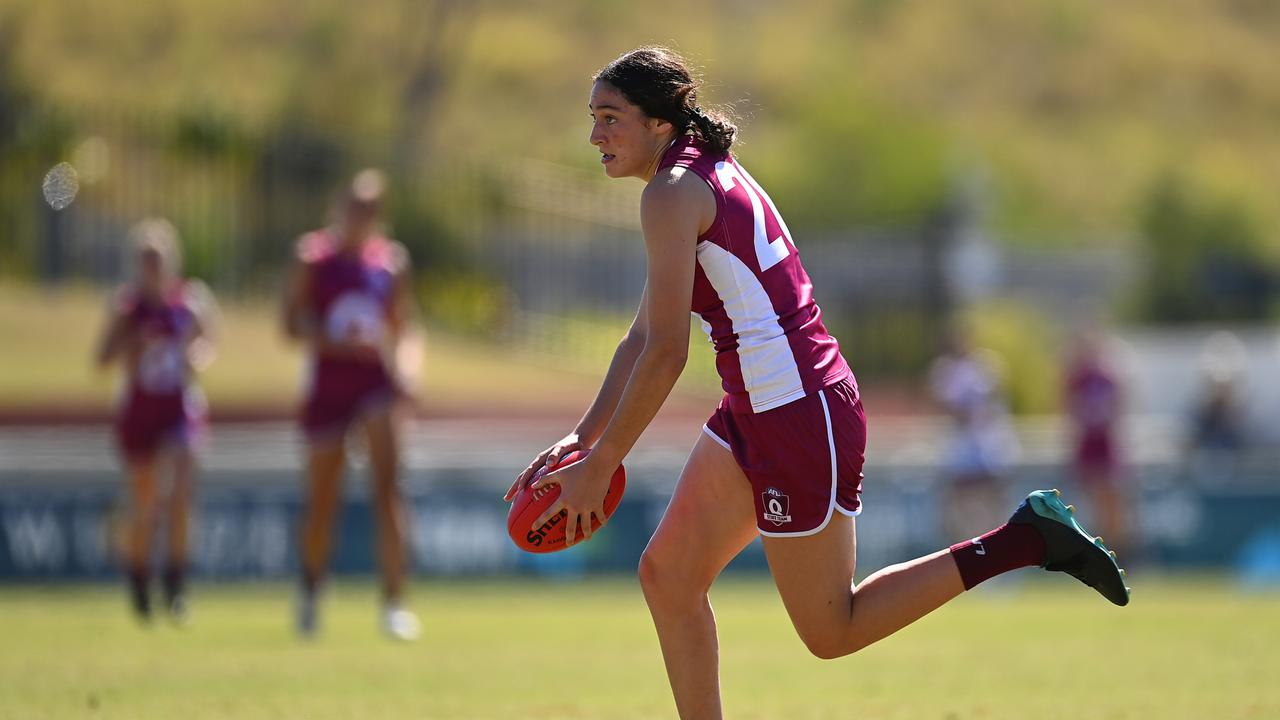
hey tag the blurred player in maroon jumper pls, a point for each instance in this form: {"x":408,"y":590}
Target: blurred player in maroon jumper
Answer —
{"x":1094,"y":402}
{"x":348,"y":300}
{"x":781,"y":457}
{"x":158,"y":330}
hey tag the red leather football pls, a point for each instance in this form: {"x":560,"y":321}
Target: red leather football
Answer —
{"x":528,"y":505}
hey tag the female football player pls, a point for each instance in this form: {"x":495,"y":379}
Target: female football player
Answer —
{"x":1093,"y":395}
{"x":781,"y":457}
{"x":158,"y":330}
{"x":348,"y":300}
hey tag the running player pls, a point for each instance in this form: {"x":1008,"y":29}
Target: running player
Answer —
{"x":1094,"y":401}
{"x":348,"y":300}
{"x":158,"y":329}
{"x":781,"y":457}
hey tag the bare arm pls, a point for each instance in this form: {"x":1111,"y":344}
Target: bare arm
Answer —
{"x":591,"y":426}
{"x":114,"y":338}
{"x":674,"y":208}
{"x":401,"y":313}
{"x":406,"y":337}
{"x":200,"y":350}
{"x":593,"y":422}
{"x":113,"y":342}
{"x":295,"y":317}
{"x":671,"y":214}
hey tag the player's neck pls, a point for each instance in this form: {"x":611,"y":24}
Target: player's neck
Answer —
{"x":154,"y":292}
{"x":350,"y":239}
{"x":659,"y":152}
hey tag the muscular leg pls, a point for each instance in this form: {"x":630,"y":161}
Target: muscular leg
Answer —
{"x":710,"y":520}
{"x":1108,"y":504}
{"x":384,"y":460}
{"x":179,"y":511}
{"x":179,"y":505}
{"x":324,"y":480}
{"x":142,"y":524}
{"x":814,"y":576}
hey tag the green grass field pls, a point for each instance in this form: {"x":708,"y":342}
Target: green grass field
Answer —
{"x":511,"y":649}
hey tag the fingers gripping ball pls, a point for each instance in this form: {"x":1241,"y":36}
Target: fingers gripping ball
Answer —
{"x":529,"y":504}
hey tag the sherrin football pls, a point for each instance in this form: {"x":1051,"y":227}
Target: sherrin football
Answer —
{"x":529,"y":504}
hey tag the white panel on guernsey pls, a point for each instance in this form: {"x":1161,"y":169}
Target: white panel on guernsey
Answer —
{"x":769,"y":369}
{"x":772,"y":208}
{"x":769,"y":252}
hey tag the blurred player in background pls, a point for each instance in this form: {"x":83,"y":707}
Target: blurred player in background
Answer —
{"x":781,"y":458}
{"x":1094,"y":400}
{"x":158,"y":329}
{"x":1218,"y":430}
{"x":965,"y":382}
{"x":348,"y":299}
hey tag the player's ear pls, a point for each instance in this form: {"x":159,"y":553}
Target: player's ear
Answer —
{"x":659,"y":126}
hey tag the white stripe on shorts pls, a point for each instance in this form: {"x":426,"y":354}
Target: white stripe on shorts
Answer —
{"x":831,"y":445}
{"x":716,"y":437}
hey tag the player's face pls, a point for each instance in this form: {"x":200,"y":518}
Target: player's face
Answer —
{"x":630,"y":142}
{"x":360,"y":218}
{"x":151,"y":268}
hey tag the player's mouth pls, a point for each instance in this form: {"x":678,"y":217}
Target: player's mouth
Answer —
{"x":606,"y":158}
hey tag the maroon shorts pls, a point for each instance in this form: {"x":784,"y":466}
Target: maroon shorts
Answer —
{"x":1096,"y":457}
{"x":804,"y":459}
{"x":147,"y":423}
{"x":342,"y":394}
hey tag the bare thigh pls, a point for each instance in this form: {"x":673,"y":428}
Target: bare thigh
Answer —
{"x":710,"y":519}
{"x":384,"y":449}
{"x":814,"y":574}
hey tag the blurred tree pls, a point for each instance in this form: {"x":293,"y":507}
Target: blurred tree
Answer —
{"x":15,"y":94}
{"x":1205,"y":259}
{"x":32,"y":139}
{"x":852,"y":161}
{"x":15,"y":102}
{"x":204,"y":128}
{"x":300,"y":168}
{"x":429,"y":53}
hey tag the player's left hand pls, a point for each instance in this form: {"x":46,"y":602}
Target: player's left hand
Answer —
{"x":583,"y":486}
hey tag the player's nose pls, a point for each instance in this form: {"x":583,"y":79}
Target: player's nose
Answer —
{"x":597,"y":135}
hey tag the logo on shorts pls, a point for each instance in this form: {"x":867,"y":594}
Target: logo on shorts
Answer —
{"x":776,"y":506}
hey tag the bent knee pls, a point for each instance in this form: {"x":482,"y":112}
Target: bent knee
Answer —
{"x":825,"y":649}
{"x":665,"y":579}
{"x":653,"y":572}
{"x":829,"y":645}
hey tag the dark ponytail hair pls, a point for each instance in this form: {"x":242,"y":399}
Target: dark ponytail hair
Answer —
{"x":658,"y":80}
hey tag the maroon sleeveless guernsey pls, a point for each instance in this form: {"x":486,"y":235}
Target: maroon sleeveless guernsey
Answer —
{"x":350,"y":296}
{"x":752,"y":293}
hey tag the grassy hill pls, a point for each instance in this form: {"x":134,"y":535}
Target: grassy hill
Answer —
{"x":855,"y":112}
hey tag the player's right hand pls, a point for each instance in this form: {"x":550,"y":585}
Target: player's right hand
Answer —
{"x":549,"y":457}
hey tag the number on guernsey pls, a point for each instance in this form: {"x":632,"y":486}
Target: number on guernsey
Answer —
{"x":768,"y":252}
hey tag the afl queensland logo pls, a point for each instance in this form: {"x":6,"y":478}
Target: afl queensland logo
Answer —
{"x":777,"y":507}
{"x":355,"y":317}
